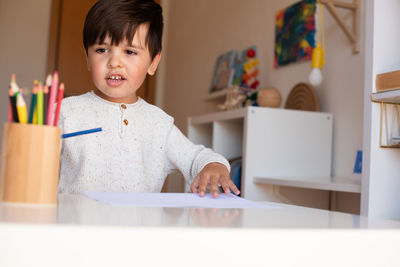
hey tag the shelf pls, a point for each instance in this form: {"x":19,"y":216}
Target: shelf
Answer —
{"x":322,"y":183}
{"x":392,"y":96}
{"x":221,"y":94}
{"x":216,"y":95}
{"x":239,"y":113}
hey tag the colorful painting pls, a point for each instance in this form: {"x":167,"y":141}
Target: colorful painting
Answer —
{"x":295,"y":33}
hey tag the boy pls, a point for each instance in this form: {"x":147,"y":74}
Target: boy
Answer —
{"x":139,"y":145}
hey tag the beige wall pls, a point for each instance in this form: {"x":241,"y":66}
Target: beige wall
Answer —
{"x":24,"y":27}
{"x":198,"y":31}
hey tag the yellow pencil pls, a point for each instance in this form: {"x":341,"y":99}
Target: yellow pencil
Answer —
{"x":21,"y":109}
{"x":35,"y":115}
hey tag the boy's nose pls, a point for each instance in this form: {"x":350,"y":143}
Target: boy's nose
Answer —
{"x":114,"y":62}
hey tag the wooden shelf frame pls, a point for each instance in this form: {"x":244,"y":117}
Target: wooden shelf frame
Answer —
{"x":391,"y":97}
{"x":351,"y":33}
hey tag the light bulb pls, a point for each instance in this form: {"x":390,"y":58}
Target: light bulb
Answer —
{"x":317,"y":61}
{"x":315,"y":77}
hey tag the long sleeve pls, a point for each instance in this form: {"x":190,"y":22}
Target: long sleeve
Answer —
{"x":189,"y":158}
{"x":135,"y":151}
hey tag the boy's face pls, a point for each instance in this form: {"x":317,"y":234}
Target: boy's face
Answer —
{"x":118,"y":71}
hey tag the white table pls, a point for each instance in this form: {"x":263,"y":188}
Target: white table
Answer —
{"x":82,"y":232}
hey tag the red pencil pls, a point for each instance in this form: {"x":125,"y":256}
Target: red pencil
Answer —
{"x":59,"y":99}
{"x":10,"y":115}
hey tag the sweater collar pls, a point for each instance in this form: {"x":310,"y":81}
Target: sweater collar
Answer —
{"x":102,"y":100}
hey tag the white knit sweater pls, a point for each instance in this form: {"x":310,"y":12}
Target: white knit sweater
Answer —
{"x":139,"y":145}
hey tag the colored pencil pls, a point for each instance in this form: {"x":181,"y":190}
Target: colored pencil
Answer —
{"x":13,"y":102}
{"x":33,"y":101}
{"x":16,"y":91}
{"x":10,"y":115}
{"x":46,"y":96}
{"x":35,"y":113}
{"x":21,"y":109}
{"x":60,"y":95}
{"x":14,"y":85}
{"x":39,"y":104}
{"x":81,"y":132}
{"x":52,"y":99}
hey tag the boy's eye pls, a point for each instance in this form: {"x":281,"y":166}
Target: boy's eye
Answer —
{"x":100,"y":50}
{"x":130,"y":52}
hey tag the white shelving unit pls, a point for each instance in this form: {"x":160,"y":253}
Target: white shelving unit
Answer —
{"x":380,"y":196}
{"x":272,"y":143}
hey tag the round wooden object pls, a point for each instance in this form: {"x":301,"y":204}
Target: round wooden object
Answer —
{"x":302,"y":97}
{"x":269,"y":97}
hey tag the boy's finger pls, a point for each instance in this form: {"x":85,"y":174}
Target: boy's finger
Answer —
{"x":203,"y":181}
{"x":214,"y":186}
{"x":234,"y":188}
{"x":193,"y":188}
{"x":225,"y":185}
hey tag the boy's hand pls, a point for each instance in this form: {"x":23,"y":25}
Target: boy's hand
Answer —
{"x":214,"y":174}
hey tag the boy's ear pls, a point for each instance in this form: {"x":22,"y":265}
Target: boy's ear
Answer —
{"x":153,"y":66}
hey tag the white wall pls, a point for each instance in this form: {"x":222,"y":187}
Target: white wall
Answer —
{"x":198,"y":31}
{"x":381,"y":174}
{"x":24,"y":29}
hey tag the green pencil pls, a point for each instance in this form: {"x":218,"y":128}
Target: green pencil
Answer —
{"x":40,"y":105}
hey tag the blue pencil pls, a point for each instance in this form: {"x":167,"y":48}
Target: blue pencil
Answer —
{"x":81,"y":132}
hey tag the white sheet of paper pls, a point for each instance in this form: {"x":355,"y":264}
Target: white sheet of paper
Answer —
{"x":180,"y":200}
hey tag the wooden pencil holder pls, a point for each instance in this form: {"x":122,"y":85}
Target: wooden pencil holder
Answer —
{"x":30,"y":163}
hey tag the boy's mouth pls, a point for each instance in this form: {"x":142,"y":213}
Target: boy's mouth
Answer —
{"x":115,"y":80}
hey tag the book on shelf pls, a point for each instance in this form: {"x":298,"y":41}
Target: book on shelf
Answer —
{"x":224,"y":71}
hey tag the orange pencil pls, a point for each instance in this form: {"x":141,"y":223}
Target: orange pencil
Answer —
{"x":59,"y":99}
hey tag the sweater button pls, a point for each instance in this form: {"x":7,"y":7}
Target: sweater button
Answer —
{"x":126,"y":122}
{"x":123,"y":106}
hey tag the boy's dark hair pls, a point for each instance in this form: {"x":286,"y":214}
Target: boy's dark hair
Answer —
{"x":120,"y":19}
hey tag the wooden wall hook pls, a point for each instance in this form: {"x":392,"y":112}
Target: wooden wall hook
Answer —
{"x":352,"y":34}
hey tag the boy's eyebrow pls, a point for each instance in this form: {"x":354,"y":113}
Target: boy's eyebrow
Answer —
{"x":135,"y":46}
{"x":129,"y":45}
